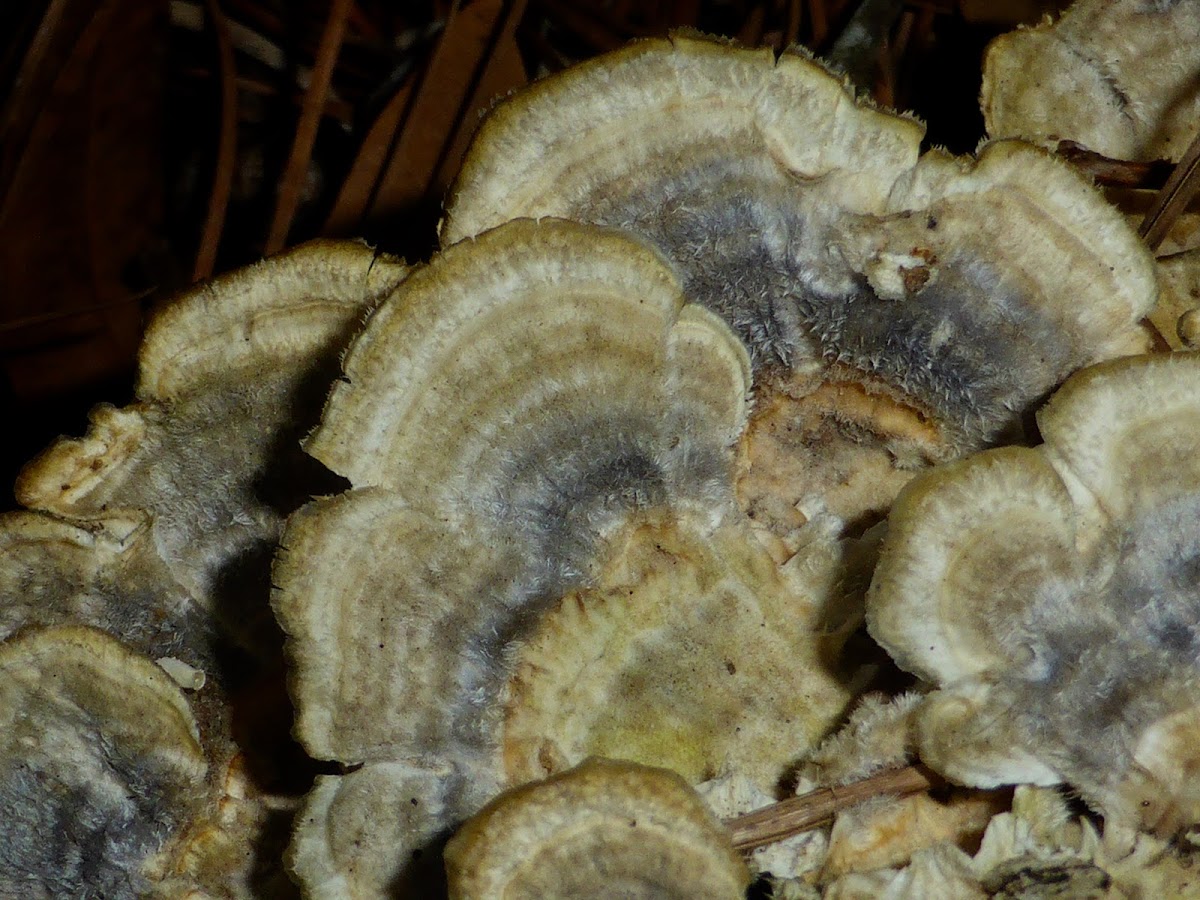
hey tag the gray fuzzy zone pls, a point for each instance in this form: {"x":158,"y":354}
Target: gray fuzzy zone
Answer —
{"x":968,"y":346}
{"x":79,"y":819}
{"x":756,"y":250}
{"x":1112,"y":657}
{"x":45,"y":583}
{"x":739,"y":250}
{"x":220,"y":470}
{"x":554,"y":504}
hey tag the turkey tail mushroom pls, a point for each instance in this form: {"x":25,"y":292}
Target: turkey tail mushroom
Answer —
{"x":157,"y":527}
{"x":898,"y":312}
{"x":1078,"y":663}
{"x":1117,"y":76}
{"x":93,"y":734}
{"x":230,"y":375}
{"x":539,"y":432}
{"x":604,"y":828}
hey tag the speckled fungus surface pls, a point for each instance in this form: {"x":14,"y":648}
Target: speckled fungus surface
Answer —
{"x":603,"y":829}
{"x":569,"y":532}
{"x":1121,"y":77}
{"x":897,"y":311}
{"x":539,"y":430}
{"x":1051,"y":595}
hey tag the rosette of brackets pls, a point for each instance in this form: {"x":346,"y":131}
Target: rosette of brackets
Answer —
{"x":147,"y":541}
{"x":616,"y":452}
{"x":614,"y":460}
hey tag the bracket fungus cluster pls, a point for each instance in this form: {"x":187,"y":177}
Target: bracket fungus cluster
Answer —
{"x":542,"y":403}
{"x":899,"y":309}
{"x":1078,"y":663}
{"x":604,"y":476}
{"x":569,"y":532}
{"x":157,"y":529}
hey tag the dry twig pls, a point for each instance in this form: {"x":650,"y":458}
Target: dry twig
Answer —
{"x":796,"y":814}
{"x":1181,"y":188}
{"x":306,"y":128}
{"x":223,"y":170}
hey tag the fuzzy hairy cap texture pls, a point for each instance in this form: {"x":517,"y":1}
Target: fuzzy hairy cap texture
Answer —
{"x":104,"y":573}
{"x":347,"y":833}
{"x":170,"y":509}
{"x":1051,"y":594}
{"x":736,"y":166}
{"x":512,"y":404}
{"x":727,"y":159}
{"x":696,"y":653}
{"x":1121,"y":77}
{"x":605,"y":828}
{"x":898,"y":312}
{"x":230,"y":375}
{"x":539,"y":432}
{"x":100,"y":765}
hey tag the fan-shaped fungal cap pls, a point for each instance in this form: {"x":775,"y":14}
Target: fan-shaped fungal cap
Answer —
{"x":93,"y":735}
{"x":518,"y":398}
{"x":614,"y":126}
{"x":546,"y":430}
{"x":603,"y":829}
{"x":611,"y":324}
{"x":372,"y":833}
{"x":733,"y":163}
{"x":1118,"y":76}
{"x":104,"y":573}
{"x":1050,"y":592}
{"x":898,"y":312}
{"x":230,"y":374}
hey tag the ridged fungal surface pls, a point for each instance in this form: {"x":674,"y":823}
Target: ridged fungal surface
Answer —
{"x":542,"y":558}
{"x":898,"y":309}
{"x":93,"y":735}
{"x":605,"y":473}
{"x":604,"y":828}
{"x":1119,"y":77}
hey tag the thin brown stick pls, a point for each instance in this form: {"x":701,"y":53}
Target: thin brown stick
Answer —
{"x":306,"y":128}
{"x":796,"y":814}
{"x":28,"y":322}
{"x":1180,"y":189}
{"x":223,"y":169}
{"x":500,"y":71}
{"x":1114,"y":172}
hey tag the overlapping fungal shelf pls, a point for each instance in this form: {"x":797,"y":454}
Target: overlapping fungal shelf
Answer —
{"x":586,"y":514}
{"x":1078,"y":665}
{"x":149,"y":540}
